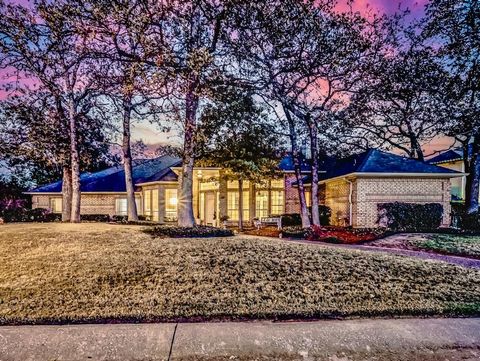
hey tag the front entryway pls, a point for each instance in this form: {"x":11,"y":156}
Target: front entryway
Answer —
{"x":210,"y":209}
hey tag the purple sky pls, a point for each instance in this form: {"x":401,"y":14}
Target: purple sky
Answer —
{"x":151,"y":135}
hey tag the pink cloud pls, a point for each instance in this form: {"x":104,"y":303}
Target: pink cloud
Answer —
{"x":366,"y":7}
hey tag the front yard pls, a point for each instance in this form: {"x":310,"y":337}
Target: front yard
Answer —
{"x":457,"y":245}
{"x":57,"y":273}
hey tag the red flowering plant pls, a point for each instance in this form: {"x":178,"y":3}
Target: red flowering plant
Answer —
{"x":343,"y":235}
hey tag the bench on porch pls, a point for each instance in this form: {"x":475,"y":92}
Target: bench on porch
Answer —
{"x":264,"y":221}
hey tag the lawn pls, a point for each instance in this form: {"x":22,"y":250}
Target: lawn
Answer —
{"x":457,"y":245}
{"x":58,"y":273}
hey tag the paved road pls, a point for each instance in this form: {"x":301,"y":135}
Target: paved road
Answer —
{"x":380,"y":339}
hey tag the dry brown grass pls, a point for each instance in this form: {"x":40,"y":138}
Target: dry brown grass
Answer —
{"x":96,"y":272}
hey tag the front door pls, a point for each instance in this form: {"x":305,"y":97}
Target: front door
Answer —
{"x":210,"y":209}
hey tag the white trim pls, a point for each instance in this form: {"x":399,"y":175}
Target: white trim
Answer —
{"x":175,"y":169}
{"x":423,"y":175}
{"x":303,"y":171}
{"x":155,"y":183}
{"x":350,"y":202}
{"x":446,"y":161}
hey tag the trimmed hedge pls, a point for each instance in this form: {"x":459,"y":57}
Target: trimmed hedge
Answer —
{"x":124,"y":219}
{"x":168,"y":231}
{"x":29,"y":215}
{"x":103,"y":218}
{"x":415,"y":217}
{"x":291,"y":219}
{"x":294,"y":219}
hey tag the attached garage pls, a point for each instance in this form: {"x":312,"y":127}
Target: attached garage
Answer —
{"x":354,"y":186}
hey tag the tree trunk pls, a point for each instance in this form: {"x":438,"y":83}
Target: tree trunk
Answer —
{"x":473,"y":179}
{"x":75,"y":164}
{"x":297,"y":167}
{"x":240,"y":204}
{"x":66,"y":194}
{"x":132,"y":213}
{"x":416,"y":151}
{"x":467,"y":166}
{"x":313,"y":133}
{"x":185,"y":205}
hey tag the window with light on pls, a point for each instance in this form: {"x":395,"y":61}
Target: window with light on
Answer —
{"x":171,"y":203}
{"x":56,"y":205}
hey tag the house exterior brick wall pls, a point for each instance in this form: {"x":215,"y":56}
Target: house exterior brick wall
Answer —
{"x":292,"y":203}
{"x":366,"y":194}
{"x":90,"y":203}
{"x":372,"y":191}
{"x":41,"y":201}
{"x":98,"y":203}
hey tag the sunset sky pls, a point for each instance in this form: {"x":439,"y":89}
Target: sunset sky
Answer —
{"x":151,"y":135}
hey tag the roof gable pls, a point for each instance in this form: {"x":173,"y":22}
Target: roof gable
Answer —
{"x":448,"y":156}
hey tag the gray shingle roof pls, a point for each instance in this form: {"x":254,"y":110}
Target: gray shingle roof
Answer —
{"x":377,"y":161}
{"x":113,"y":179}
{"x":159,"y":169}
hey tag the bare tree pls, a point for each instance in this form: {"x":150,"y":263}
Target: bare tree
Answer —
{"x":308,"y":58}
{"x":453,"y":27}
{"x":38,"y":42}
{"x":400,"y":103}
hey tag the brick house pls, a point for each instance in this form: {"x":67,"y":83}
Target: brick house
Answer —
{"x":351,"y":187}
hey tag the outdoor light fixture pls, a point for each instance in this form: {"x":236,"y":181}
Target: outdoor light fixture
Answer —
{"x":173,"y":201}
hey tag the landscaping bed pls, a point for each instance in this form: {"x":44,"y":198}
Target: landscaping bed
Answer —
{"x":328,"y":234}
{"x":167,"y":231}
{"x":343,"y":235}
{"x":70,"y":273}
{"x":449,"y":244}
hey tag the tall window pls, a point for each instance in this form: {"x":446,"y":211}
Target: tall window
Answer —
{"x":121,"y":206}
{"x":56,"y":205}
{"x":155,"y":213}
{"x":261,"y":204}
{"x":235,"y":185}
{"x":276,"y":183}
{"x":147,"y":204}
{"x":246,"y":205}
{"x":308,"y":197}
{"x":233,"y":202}
{"x":232,"y":206}
{"x":277,"y":202}
{"x":171,"y":202}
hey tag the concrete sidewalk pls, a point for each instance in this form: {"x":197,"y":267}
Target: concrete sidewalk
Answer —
{"x":400,"y":339}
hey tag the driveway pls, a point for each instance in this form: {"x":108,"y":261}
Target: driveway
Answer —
{"x":368,"y":339}
{"x":461,"y":261}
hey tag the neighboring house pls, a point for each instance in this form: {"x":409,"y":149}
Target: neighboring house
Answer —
{"x":453,"y":159}
{"x":352,"y":187}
